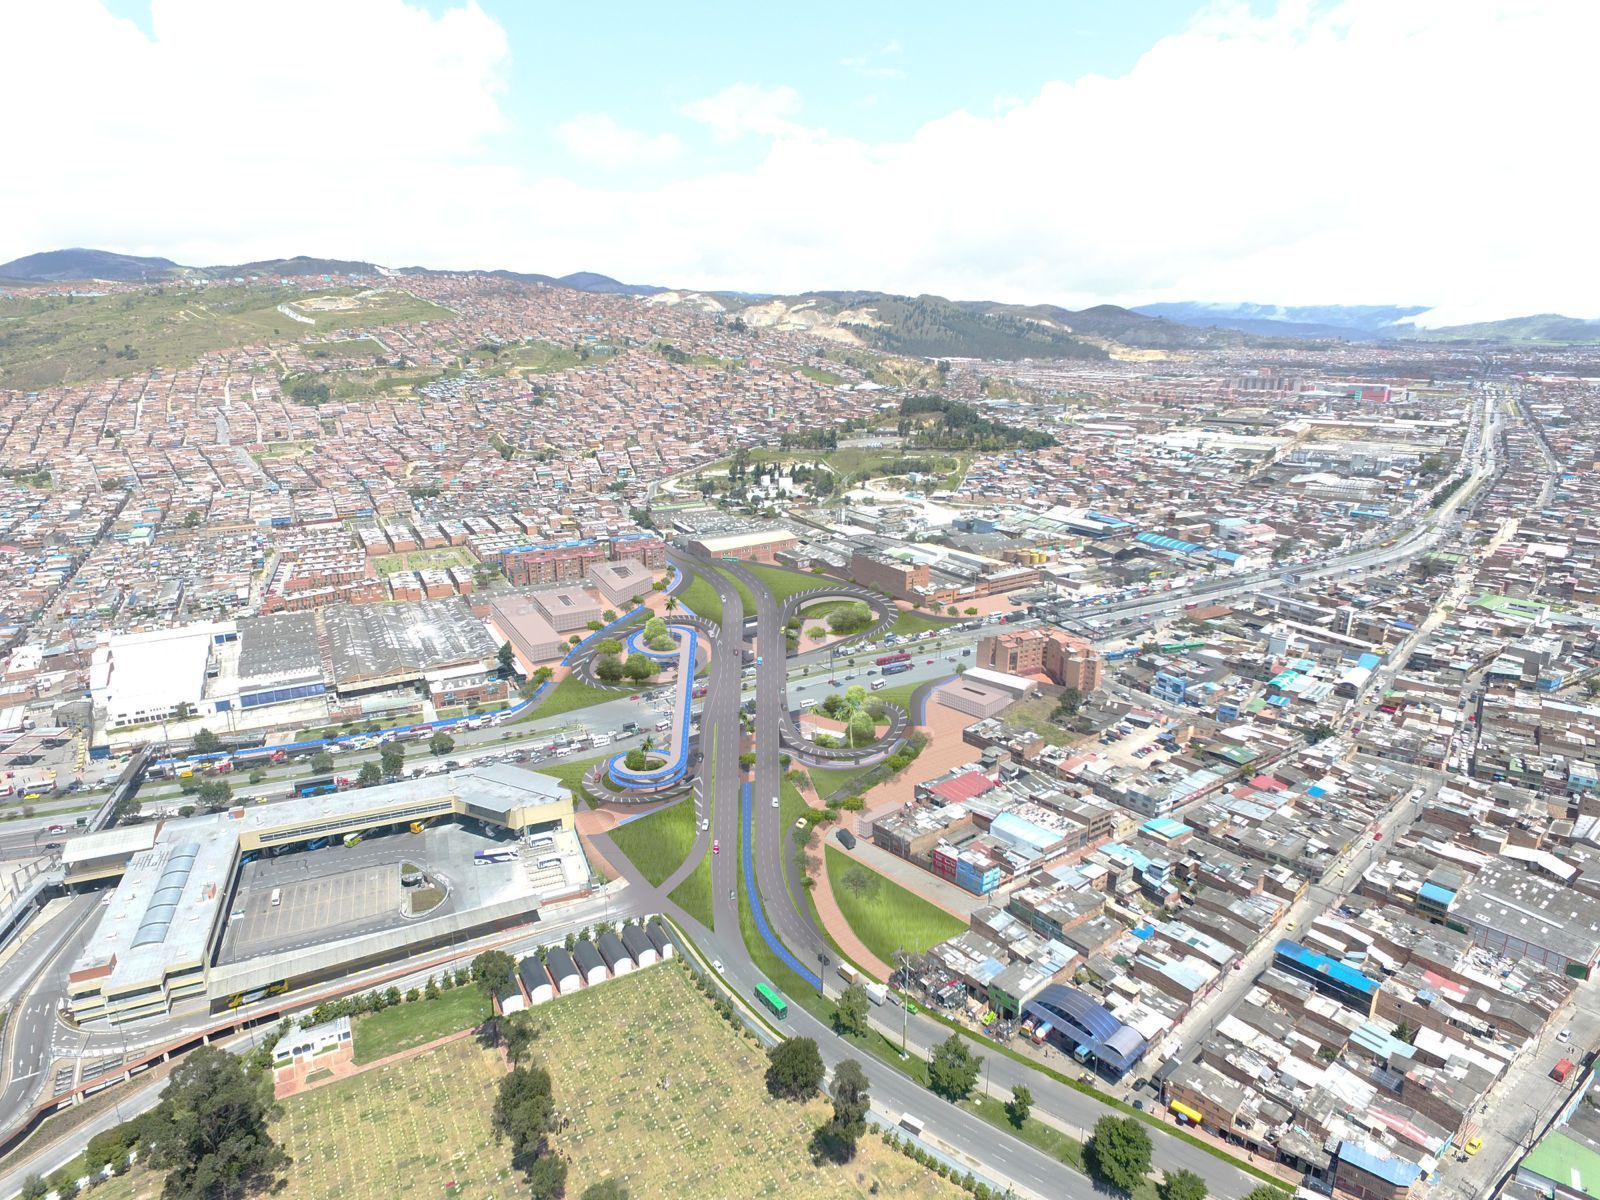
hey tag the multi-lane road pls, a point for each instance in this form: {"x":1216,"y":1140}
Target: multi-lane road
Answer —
{"x":37,"y":976}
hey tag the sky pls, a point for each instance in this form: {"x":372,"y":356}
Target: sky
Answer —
{"x":1434,"y":152}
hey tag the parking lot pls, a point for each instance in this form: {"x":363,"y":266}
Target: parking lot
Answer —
{"x":310,"y":909}
{"x":344,"y":891}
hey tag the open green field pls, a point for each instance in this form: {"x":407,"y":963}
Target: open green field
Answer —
{"x":664,"y":1096}
{"x":526,"y":358}
{"x":659,"y":842}
{"x":884,"y":915}
{"x":381,"y":1034}
{"x":571,"y":693}
{"x":701,"y":599}
{"x":69,"y":339}
{"x":1034,"y":713}
{"x":421,"y":560}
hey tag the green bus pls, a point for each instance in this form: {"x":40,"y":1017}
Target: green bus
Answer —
{"x":352,"y":839}
{"x":769,"y":996}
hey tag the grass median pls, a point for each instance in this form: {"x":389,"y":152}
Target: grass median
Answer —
{"x":659,"y":842}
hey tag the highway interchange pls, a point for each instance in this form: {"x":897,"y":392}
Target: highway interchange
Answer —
{"x":32,"y":979}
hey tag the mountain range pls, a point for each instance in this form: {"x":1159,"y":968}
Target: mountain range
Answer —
{"x":924,"y":326}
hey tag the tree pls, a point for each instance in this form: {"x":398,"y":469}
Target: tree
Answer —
{"x":850,"y":1011}
{"x":369,"y":774}
{"x":1119,"y":1152}
{"x":1019,"y":1106}
{"x":653,"y":628}
{"x":506,"y":656}
{"x":1320,"y":732}
{"x":861,"y":729}
{"x":794,"y":1069}
{"x":1267,"y":1192}
{"x":441,"y":743}
{"x":855,"y":695}
{"x":608,"y":646}
{"x":638,"y":668}
{"x":321,"y":762}
{"x":393,"y":757}
{"x":609,"y":669}
{"x":1183,"y":1185}
{"x":850,"y":1105}
{"x":519,"y":1033}
{"x":33,"y":1188}
{"x":210,"y":1133}
{"x":493,"y":971}
{"x":215,"y":793}
{"x":1070,"y":702}
{"x":206,"y":742}
{"x":953,"y":1068}
{"x":547,"y":1178}
{"x":606,"y":1189}
{"x":524,"y":1113}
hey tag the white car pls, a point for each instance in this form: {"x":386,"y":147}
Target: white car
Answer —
{"x":774,"y":802}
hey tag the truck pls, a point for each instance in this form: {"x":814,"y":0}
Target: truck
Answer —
{"x":848,"y":973}
{"x":884,"y":660}
{"x":876,"y":992}
{"x":912,"y":1125}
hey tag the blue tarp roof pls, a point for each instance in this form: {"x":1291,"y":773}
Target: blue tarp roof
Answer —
{"x":1401,"y":1172}
{"x":1224,"y":555}
{"x":1369,"y":661}
{"x":1106,"y":519}
{"x":1165,"y":543}
{"x":1322,"y":964}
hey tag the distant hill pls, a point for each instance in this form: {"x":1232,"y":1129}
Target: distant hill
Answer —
{"x":1548,"y":328}
{"x":922,"y":326}
{"x":295,"y":267}
{"x":58,"y":266}
{"x":1354,"y":322}
{"x":589,"y":281}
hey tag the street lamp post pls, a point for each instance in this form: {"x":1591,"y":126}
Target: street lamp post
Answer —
{"x":822,"y":972}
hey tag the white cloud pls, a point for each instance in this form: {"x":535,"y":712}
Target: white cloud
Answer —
{"x":597,"y":139}
{"x":742,"y":108}
{"x":1432,"y":152}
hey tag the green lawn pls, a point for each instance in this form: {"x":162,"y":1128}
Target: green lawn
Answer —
{"x":659,"y":842}
{"x":406,"y":1025}
{"x":701,"y":599}
{"x":1052,"y":1141}
{"x":908,"y":623}
{"x":901,"y":696}
{"x":784,"y":584}
{"x":828,"y":780}
{"x":746,"y":596}
{"x":693,"y":895}
{"x":571,"y":773}
{"x":571,"y":693}
{"x":885,"y":916}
